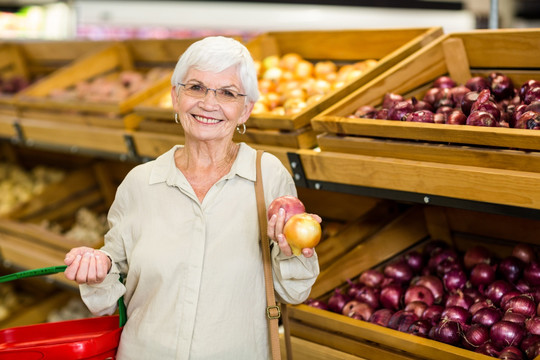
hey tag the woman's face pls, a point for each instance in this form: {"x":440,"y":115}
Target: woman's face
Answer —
{"x":207,"y":118}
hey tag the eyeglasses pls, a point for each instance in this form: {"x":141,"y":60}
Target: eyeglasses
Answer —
{"x":223,"y":95}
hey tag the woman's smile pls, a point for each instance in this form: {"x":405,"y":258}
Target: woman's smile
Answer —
{"x":206,"y":120}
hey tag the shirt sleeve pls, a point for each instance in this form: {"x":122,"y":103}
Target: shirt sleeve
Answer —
{"x":293,"y":275}
{"x":102,"y":298}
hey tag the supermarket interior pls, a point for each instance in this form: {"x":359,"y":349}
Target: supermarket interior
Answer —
{"x":408,"y":127}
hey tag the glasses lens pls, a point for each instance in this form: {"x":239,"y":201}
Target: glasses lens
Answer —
{"x":225,"y":95}
{"x":195,"y":90}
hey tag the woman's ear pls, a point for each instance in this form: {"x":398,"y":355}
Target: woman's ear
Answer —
{"x":174,"y":97}
{"x":248,"y":107}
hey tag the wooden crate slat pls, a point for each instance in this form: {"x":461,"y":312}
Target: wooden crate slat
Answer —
{"x":302,"y":349}
{"x":365,"y":331}
{"x":496,"y":186}
{"x":86,"y":137}
{"x":423,"y":151}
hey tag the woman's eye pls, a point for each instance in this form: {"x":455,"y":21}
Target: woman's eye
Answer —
{"x":228,"y":93}
{"x":195,"y":88}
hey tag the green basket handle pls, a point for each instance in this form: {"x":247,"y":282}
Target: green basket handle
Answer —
{"x":57,"y":269}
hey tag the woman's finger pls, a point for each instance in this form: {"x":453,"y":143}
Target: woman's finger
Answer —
{"x":284,"y":245}
{"x":71,"y":271}
{"x":82,"y":273}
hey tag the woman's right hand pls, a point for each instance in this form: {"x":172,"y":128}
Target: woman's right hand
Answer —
{"x":86,"y":265}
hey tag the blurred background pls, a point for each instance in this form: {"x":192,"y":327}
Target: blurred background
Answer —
{"x":110,"y":20}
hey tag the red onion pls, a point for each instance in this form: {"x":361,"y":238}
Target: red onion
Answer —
{"x":456,"y":117}
{"x":532,"y":273}
{"x":369,"y":296}
{"x":528,"y":342}
{"x":508,"y":296}
{"x":475,"y":336}
{"x":524,"y":252}
{"x":482,"y":274}
{"x":502,"y":86}
{"x":390,"y":99}
{"x":511,"y":353}
{"x":337,"y":301}
{"x":424,"y":116}
{"x":318,"y":304}
{"x":448,"y":332}
{"x":447,"y":265}
{"x":511,"y":268}
{"x":526,"y":86}
{"x":528,"y":120}
{"x":381,"y":317}
{"x":421,"y":104}
{"x":391,"y":295}
{"x":534,"y":292}
{"x":522,"y":304}
{"x":459,"y":299}
{"x":382,"y":114}
{"x":467,"y":102}
{"x":477,"y":255}
{"x":415,"y":260}
{"x":365,"y":111}
{"x":487,"y":316}
{"x":434,"y":247}
{"x":372,"y":278}
{"x":506,"y":333}
{"x":523,"y":286}
{"x":353,"y":288}
{"x":514,"y":317}
{"x":418,"y":293}
{"x":440,"y":256}
{"x":399,"y":271}
{"x":358,"y":310}
{"x":480,"y":305}
{"x":473,"y":293}
{"x":432,"y":95}
{"x":533,"y":325}
{"x":457,"y":93}
{"x":444,"y":82}
{"x":477,"y":83}
{"x":487,"y":349}
{"x":533,"y":351}
{"x":434,"y":284}
{"x":400,"y":110}
{"x":481,"y":118}
{"x":433,"y":314}
{"x":420,"y":328}
{"x":454,"y":280}
{"x":496,"y":290}
{"x":456,"y":313}
{"x":401,"y":320}
{"x":416,"y":307}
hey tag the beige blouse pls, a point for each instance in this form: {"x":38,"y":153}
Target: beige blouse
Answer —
{"x":194,"y":287}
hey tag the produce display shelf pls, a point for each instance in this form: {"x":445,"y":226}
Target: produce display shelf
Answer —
{"x":411,"y":230}
{"x":474,"y":183}
{"x":458,"y":55}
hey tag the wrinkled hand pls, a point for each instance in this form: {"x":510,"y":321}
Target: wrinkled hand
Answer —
{"x":275,"y":232}
{"x":86,"y":265}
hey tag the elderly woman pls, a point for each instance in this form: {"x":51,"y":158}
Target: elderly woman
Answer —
{"x":184,"y":232}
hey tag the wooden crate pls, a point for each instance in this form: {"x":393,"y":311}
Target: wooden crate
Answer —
{"x":34,"y":60}
{"x":387,"y":46}
{"x":130,"y":55}
{"x":459,"y":55}
{"x":460,"y":228}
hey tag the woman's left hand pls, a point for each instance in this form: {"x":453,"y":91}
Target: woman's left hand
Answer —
{"x":275,"y":232}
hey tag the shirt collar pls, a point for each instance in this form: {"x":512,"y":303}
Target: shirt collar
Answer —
{"x":164,"y":169}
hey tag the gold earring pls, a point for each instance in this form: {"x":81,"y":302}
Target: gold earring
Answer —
{"x":176,"y":118}
{"x":243,"y":131}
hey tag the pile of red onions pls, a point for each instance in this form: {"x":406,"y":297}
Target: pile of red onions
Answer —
{"x":491,"y":101}
{"x":474,"y":300}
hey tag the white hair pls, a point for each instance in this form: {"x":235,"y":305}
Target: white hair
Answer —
{"x":215,"y":54}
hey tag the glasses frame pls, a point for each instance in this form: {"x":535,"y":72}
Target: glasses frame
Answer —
{"x":239,"y":95}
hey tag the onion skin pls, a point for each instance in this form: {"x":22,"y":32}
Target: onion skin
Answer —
{"x":290,"y":204}
{"x":371,"y":278}
{"x":448,"y":332}
{"x":524,"y":252}
{"x":475,"y":336}
{"x":477,"y":255}
{"x":391,"y":296}
{"x":487,"y":316}
{"x":418,"y":293}
{"x":522,"y":304}
{"x":381,"y":317}
{"x":302,"y":231}
{"x":506,"y":333}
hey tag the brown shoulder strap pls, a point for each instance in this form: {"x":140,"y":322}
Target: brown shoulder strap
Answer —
{"x":273,"y":311}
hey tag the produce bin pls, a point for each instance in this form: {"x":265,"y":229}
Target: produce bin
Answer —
{"x":26,"y":62}
{"x":94,"y":97}
{"x":411,"y":230}
{"x":460,"y":56}
{"x":387,"y":46}
{"x":65,"y":215}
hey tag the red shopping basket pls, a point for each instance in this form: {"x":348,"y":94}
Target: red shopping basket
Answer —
{"x":91,"y":339}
